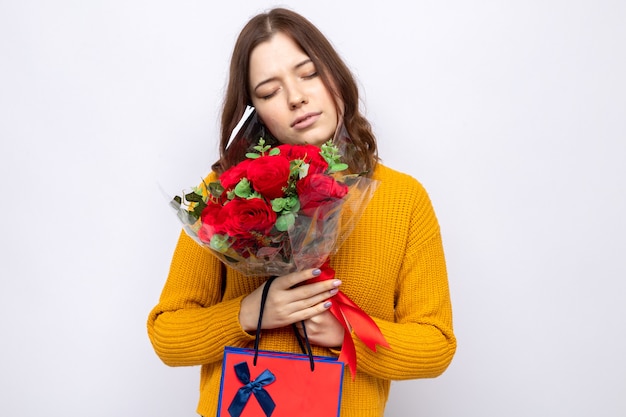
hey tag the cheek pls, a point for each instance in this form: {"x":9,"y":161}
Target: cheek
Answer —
{"x":271,"y":123}
{"x":264,"y":109}
{"x":271,"y":119}
{"x":337,"y":108}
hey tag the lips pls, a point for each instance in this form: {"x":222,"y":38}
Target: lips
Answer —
{"x":306,"y":120}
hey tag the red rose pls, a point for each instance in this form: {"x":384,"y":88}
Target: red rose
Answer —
{"x":242,"y":218}
{"x":317,"y":190}
{"x":269,"y":175}
{"x":308,"y":153}
{"x":234,"y":174}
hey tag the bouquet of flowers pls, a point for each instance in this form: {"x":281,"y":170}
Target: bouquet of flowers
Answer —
{"x":283,"y":209}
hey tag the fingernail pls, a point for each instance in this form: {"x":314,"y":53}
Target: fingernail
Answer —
{"x":334,"y":291}
{"x":327,"y":304}
{"x":336,"y":283}
{"x":317,"y":272}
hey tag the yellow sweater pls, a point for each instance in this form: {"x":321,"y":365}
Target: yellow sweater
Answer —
{"x":392,"y":266}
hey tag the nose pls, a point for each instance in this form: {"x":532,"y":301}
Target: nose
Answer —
{"x":297,"y":99}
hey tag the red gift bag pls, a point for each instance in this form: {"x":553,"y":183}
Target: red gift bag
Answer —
{"x":279,"y":385}
{"x":260,"y":383}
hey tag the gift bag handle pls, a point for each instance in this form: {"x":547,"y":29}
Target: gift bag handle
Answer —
{"x":305,"y":347}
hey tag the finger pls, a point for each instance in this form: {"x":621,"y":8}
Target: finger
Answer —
{"x":324,"y":288}
{"x":314,"y":299}
{"x":307,"y":313}
{"x":296,"y":278}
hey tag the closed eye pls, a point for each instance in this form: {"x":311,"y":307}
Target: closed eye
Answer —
{"x":268,"y":96}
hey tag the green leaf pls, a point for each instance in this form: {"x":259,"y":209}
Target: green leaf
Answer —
{"x":295,"y":204}
{"x":304,"y":170}
{"x":278,"y":204}
{"x":220,"y":243}
{"x":330,"y":153}
{"x":261,"y":148}
{"x":336,"y":167}
{"x":216,"y":189}
{"x":286,"y":204}
{"x":198,"y":209}
{"x":285,"y":221}
{"x":243,"y":188}
{"x":194,"y":197}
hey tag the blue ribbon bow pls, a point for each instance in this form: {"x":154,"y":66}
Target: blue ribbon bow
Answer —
{"x":252,"y":387}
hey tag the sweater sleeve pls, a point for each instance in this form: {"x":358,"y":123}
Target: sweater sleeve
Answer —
{"x":191,"y":324}
{"x":421,"y":335}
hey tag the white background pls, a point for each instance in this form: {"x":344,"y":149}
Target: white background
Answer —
{"x":511,"y":113}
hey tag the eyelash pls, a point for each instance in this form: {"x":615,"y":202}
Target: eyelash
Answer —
{"x":306,"y":77}
{"x":267,"y":97}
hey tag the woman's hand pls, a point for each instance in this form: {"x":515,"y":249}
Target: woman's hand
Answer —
{"x":323,"y":330}
{"x":288,"y":301}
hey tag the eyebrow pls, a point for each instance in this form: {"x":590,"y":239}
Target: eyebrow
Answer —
{"x":269,"y":80}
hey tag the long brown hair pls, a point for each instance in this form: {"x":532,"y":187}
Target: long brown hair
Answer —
{"x":361,"y":154}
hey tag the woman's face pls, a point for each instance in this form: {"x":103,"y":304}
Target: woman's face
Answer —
{"x":289,"y":96}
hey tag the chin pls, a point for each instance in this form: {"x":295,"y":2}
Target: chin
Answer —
{"x":318,"y":140}
{"x":313,"y":137}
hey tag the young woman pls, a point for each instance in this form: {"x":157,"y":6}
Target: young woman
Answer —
{"x":392,"y":265}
